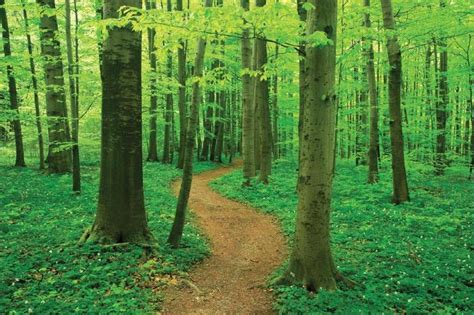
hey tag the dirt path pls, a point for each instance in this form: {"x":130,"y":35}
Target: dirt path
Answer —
{"x":246,"y":247}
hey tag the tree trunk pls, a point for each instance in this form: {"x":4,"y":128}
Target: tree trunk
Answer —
{"x":374,"y":111}
{"x":152,"y":145}
{"x":39,"y":127}
{"x":168,"y":135}
{"x":121,"y":213}
{"x":220,"y":127}
{"x":181,"y":95}
{"x":59,"y":156}
{"x":16,"y":124}
{"x":248,"y":127}
{"x":311,"y":262}
{"x":176,"y":233}
{"x":276,"y":113}
{"x":207,"y":122}
{"x":441,"y":105}
{"x":74,"y":99}
{"x":399,"y":177}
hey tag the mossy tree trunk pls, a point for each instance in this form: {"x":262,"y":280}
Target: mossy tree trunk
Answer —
{"x":176,"y":232}
{"x":120,"y":215}
{"x":399,"y":177}
{"x":12,"y":89}
{"x":59,"y":156}
{"x":181,"y":95}
{"x":311,"y":262}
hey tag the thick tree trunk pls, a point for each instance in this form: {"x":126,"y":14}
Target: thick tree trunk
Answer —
{"x":311,"y":262}
{"x":39,"y":127}
{"x":399,"y":177}
{"x":373,"y":101}
{"x":302,"y":13}
{"x":181,"y":95}
{"x":176,"y":233}
{"x":152,"y":144}
{"x":74,"y":100}
{"x":59,"y":156}
{"x":121,"y":213}
{"x":248,"y":127}
{"x":16,"y":124}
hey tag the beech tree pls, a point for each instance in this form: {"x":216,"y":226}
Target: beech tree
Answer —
{"x":12,"y":89}
{"x":121,"y":215}
{"x":59,"y":152}
{"x":311,"y":262}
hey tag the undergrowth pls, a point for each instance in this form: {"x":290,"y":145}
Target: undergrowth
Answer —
{"x":43,"y":271}
{"x":413,"y":258}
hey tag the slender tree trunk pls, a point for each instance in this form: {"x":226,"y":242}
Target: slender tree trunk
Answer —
{"x":399,"y":177}
{"x":248,"y":127}
{"x":262,"y":105}
{"x":59,"y":156}
{"x":121,"y":213}
{"x":220,"y":127}
{"x":180,"y":216}
{"x":207,"y":124}
{"x":276,"y":113}
{"x":311,"y":263}
{"x":152,"y":144}
{"x":441,"y":105}
{"x":74,"y":100}
{"x":181,"y":95}
{"x":168,"y":134}
{"x":374,"y":111}
{"x":39,"y":127}
{"x":12,"y":89}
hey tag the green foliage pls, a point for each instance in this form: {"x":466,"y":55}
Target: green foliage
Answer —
{"x":413,"y":258}
{"x":44,"y":271}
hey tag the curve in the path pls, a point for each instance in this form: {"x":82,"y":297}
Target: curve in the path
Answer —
{"x":246,"y":247}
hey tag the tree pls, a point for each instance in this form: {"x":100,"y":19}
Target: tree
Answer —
{"x":262,"y":105}
{"x":176,"y":232}
{"x":34,"y":81}
{"x":311,"y":262}
{"x":152,"y":145}
{"x":12,"y":89}
{"x":168,"y":134}
{"x":121,"y":215}
{"x":248,"y":127}
{"x":181,"y":94}
{"x":74,"y":99}
{"x":59,"y":153}
{"x":399,"y":176}
{"x":373,"y":101}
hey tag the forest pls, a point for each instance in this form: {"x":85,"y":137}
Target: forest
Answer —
{"x":236,"y":157}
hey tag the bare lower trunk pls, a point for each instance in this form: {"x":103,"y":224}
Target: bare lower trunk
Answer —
{"x":121,"y":213}
{"x":399,"y":177}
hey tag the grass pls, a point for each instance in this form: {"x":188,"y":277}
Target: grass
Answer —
{"x":413,"y":258}
{"x":42,"y":270}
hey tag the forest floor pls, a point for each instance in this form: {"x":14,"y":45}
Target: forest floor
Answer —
{"x":246,"y":247}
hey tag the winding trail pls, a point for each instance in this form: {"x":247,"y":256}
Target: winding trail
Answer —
{"x":246,"y":247}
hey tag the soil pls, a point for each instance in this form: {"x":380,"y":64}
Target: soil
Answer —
{"x":246,"y":247}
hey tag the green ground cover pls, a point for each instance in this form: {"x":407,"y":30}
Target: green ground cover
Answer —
{"x":42,"y":270}
{"x":413,"y":258}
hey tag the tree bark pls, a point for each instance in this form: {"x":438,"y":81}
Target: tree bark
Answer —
{"x":311,"y":262}
{"x":168,"y":134}
{"x":181,"y":95}
{"x":276,"y":113}
{"x":373,"y":101}
{"x":399,"y":177}
{"x":248,"y":127}
{"x":74,"y":100}
{"x":176,"y":233}
{"x":152,"y":145}
{"x":12,"y":90}
{"x":39,"y":127}
{"x":121,"y":213}
{"x":59,"y":156}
